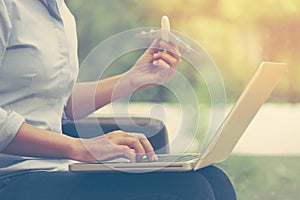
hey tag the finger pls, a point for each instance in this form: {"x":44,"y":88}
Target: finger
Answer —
{"x":172,"y":61}
{"x":127,"y":152}
{"x":116,"y":133}
{"x":124,"y":140}
{"x":148,"y":148}
{"x":145,"y":148}
{"x":161,"y":63}
{"x":170,"y":48}
{"x":154,"y":47}
{"x":133,"y":143}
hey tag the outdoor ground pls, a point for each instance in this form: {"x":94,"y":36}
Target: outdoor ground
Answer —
{"x":264,"y":177}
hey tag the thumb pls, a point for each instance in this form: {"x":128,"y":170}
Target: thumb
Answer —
{"x":154,"y":47}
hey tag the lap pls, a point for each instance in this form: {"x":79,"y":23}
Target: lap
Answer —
{"x":208,"y":183}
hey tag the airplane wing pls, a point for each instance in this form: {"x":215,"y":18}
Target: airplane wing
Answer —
{"x":165,"y":34}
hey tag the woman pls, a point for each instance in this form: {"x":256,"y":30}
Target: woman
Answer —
{"x":38,"y":57}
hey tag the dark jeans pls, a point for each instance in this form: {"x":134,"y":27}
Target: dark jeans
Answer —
{"x":207,"y":183}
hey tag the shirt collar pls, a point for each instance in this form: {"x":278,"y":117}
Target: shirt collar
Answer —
{"x":53,"y":7}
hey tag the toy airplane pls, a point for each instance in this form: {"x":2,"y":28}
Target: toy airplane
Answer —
{"x":165,"y":34}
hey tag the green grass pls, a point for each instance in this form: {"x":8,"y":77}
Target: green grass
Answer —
{"x":264,"y":177}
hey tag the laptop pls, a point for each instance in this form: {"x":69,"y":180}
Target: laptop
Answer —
{"x":222,"y":143}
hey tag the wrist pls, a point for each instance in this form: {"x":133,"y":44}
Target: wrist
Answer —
{"x":78,"y":151}
{"x":74,"y":149}
{"x":127,"y":83}
{"x":132,"y":82}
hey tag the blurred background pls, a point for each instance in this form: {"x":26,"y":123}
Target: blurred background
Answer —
{"x":238,"y":35}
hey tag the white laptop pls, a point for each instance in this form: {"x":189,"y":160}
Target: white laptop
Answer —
{"x":223,"y":142}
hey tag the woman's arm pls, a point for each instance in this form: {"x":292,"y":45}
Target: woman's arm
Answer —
{"x":35,"y":142}
{"x":32,"y":141}
{"x":154,"y":67}
{"x":90,"y":96}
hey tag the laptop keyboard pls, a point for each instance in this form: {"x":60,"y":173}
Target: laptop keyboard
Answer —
{"x":176,"y":158}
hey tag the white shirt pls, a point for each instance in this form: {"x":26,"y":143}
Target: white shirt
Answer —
{"x":38,"y":65}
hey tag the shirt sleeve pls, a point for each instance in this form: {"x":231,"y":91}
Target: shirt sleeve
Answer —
{"x":10,"y":121}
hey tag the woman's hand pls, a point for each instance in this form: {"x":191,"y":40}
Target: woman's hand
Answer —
{"x":156,"y":66}
{"x":113,"y":145}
